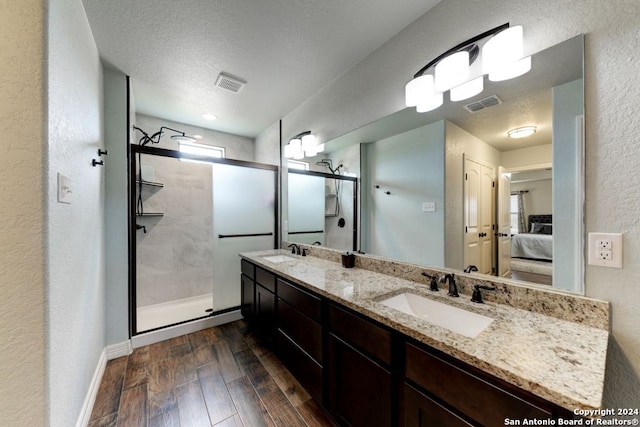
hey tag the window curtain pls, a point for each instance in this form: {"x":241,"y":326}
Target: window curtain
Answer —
{"x":522,"y":221}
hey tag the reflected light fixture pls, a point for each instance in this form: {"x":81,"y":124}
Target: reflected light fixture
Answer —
{"x":461,"y":70}
{"x":302,"y":145}
{"x":522,"y":132}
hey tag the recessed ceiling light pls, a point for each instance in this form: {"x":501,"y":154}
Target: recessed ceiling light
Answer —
{"x":522,"y":132}
{"x":197,"y":136}
{"x":209,"y":116}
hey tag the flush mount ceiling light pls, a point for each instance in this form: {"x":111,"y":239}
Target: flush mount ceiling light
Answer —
{"x":303,"y":145}
{"x":459,"y":71}
{"x":522,"y":132}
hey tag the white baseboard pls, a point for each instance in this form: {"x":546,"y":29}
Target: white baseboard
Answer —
{"x":118,"y":350}
{"x":90,"y":399}
{"x":185,"y":328}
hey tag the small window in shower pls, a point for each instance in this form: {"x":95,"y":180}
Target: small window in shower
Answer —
{"x":294,"y":164}
{"x":200,"y":150}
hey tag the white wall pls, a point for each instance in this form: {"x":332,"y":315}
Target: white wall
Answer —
{"x":374,"y":88}
{"x":22,"y":200}
{"x":268,"y":145}
{"x":527,"y":157}
{"x":75,"y":241}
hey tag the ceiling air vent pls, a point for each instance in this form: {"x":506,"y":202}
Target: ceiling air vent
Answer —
{"x":230,"y":83}
{"x":476,"y":106}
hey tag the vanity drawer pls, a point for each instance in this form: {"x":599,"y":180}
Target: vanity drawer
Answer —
{"x":361,"y":333}
{"x":266,"y":279}
{"x":472,"y":396}
{"x":247,"y":269}
{"x":301,"y":329}
{"x":307,"y":303}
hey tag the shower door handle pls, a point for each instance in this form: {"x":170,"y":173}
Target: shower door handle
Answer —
{"x":226,"y":236}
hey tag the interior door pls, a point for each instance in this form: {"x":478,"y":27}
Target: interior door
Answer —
{"x":472,"y":177}
{"x":486,"y":219}
{"x":244,"y":217}
{"x":503,"y":235}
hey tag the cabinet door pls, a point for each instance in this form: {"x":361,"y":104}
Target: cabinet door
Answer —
{"x":421,"y":411}
{"x":359,"y":388}
{"x":247,"y":298}
{"x":265,"y":314}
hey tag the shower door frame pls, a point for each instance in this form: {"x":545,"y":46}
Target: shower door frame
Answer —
{"x":356,"y":244}
{"x":134,"y":150}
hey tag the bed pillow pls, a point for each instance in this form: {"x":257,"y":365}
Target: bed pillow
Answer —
{"x":541,"y":228}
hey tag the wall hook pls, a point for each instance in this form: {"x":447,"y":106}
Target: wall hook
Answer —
{"x":95,"y":162}
{"x":101,"y":152}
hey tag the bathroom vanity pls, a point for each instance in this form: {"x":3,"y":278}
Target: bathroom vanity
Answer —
{"x":349,"y":336}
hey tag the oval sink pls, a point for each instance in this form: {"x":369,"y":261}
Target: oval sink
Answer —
{"x":455,"y":319}
{"x":278,"y":258}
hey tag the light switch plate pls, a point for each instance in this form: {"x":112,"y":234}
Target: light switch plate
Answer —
{"x":64,"y":189}
{"x":428,"y":206}
{"x":605,"y":249}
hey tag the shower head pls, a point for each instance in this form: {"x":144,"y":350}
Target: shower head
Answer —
{"x":155,"y":138}
{"x":329,"y":164}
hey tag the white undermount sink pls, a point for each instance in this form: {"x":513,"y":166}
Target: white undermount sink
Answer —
{"x":455,"y":319}
{"x":278,"y":258}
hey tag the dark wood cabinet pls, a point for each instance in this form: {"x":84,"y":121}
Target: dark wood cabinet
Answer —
{"x":265,"y":314}
{"x":359,"y":376}
{"x":299,"y":339}
{"x":367,"y":374}
{"x":422,"y":411}
{"x":359,"y":389}
{"x":247,"y":290}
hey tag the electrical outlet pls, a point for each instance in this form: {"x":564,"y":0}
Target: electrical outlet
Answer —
{"x":605,"y":249}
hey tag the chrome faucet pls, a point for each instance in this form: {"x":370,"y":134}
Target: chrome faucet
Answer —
{"x":453,"y":289}
{"x":295,"y":248}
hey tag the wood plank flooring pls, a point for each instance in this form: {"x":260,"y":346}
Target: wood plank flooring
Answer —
{"x":222,"y":377}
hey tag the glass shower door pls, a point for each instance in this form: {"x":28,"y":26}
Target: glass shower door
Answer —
{"x":244,"y":218}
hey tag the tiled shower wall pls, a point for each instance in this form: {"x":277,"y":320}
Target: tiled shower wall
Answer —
{"x":174,"y":257}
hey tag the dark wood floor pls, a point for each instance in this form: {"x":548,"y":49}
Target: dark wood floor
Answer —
{"x":220,"y":377}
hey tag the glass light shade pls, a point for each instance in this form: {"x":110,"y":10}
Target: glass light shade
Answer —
{"x":452,"y":71}
{"x":293,"y":148}
{"x":511,"y":71}
{"x":467,"y":90}
{"x":418,"y":88}
{"x":299,"y":156}
{"x":308,"y":141}
{"x":310,"y":152}
{"x":503,"y":49}
{"x":522,"y":132}
{"x":429,"y":103}
{"x":320,"y":148}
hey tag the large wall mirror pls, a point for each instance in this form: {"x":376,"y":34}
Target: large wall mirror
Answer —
{"x":449,"y":188}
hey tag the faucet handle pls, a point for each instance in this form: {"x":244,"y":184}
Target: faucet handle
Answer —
{"x":433,"y":285}
{"x":476,"y":296}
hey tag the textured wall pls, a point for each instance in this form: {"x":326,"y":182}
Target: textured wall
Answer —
{"x":22,"y":124}
{"x":74,"y":232}
{"x":374,"y":88}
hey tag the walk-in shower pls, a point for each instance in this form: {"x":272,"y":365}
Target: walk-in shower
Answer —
{"x":189,"y":222}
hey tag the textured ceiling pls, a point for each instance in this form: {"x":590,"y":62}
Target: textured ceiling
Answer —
{"x":286,"y":50}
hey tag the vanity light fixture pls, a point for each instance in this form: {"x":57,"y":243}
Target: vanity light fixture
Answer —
{"x":460,"y":71}
{"x":522,"y":132}
{"x":303,"y":145}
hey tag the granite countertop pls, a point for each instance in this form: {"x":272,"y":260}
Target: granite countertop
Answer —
{"x":558,"y":360}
